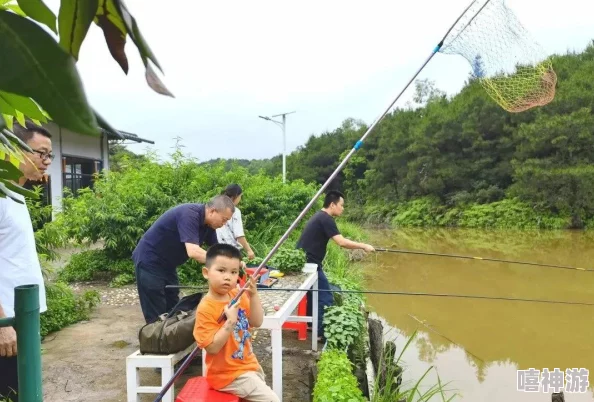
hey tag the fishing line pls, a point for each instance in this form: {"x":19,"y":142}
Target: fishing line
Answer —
{"x":399,"y":293}
{"x":484,"y":259}
{"x":467,"y":33}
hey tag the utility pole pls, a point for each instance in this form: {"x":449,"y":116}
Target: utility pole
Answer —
{"x":283,"y":125}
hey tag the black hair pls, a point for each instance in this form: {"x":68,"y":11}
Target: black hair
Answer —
{"x":222,"y":250}
{"x":26,"y":133}
{"x":333,"y":196}
{"x":233,"y":191}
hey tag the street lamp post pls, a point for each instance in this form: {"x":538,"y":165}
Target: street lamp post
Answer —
{"x":282,"y":124}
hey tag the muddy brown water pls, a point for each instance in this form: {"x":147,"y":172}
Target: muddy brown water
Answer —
{"x":478,"y":345}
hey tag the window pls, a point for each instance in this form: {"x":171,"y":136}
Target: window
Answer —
{"x":78,"y":172}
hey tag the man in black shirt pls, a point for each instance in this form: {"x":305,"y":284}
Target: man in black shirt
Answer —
{"x":314,"y":240}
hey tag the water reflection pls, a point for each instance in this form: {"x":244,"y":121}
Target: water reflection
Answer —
{"x":479,"y":344}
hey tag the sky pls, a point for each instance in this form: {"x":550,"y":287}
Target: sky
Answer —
{"x":229,"y":62}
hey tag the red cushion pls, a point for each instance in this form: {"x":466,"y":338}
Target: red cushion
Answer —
{"x":198,"y":390}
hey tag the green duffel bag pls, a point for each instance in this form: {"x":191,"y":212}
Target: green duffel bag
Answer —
{"x":173,"y":331}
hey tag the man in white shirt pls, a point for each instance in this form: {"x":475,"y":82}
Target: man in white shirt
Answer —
{"x":232,"y":232}
{"x":19,"y":263}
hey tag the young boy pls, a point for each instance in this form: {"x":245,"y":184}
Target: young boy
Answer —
{"x":231,"y":364}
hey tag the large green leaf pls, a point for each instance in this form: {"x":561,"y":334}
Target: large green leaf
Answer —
{"x":8,"y":168}
{"x":8,"y":119}
{"x":155,"y":82}
{"x":134,"y":32}
{"x":106,"y":126}
{"x":40,"y":69}
{"x":18,"y":189}
{"x":117,"y":22}
{"x":24,"y":105}
{"x":9,"y":5}
{"x":74,"y":20}
{"x":16,"y":140}
{"x":37,"y":10}
{"x":9,"y":171}
{"x":115,"y":39}
{"x":5,"y":107}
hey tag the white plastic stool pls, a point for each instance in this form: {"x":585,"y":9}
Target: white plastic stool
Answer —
{"x":165,"y":362}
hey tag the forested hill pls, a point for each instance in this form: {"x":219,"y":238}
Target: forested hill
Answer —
{"x":466,"y":150}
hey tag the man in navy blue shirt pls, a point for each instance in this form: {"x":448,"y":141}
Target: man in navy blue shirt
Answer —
{"x":176,"y":236}
{"x":320,"y":228}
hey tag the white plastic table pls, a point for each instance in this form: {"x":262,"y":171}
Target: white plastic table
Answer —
{"x":275,"y":324}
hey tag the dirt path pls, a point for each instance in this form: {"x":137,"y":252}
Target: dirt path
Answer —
{"x":87,"y":361}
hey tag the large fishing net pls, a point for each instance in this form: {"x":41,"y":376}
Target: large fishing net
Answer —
{"x":512,"y":67}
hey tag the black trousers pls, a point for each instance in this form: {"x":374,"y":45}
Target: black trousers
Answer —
{"x":325,"y":299}
{"x":154,"y":298}
{"x":9,"y":379}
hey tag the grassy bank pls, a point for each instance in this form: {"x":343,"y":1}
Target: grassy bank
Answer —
{"x":505,"y":214}
{"x":343,"y":362}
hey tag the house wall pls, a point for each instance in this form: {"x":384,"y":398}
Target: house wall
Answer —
{"x":105,"y":151}
{"x":68,"y":143}
{"x":80,"y":145}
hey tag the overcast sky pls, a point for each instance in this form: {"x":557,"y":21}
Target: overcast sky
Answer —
{"x":228,"y":62}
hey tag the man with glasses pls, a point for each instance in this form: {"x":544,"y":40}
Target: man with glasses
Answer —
{"x":19,"y":263}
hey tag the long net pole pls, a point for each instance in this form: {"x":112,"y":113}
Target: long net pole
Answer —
{"x":355,"y":148}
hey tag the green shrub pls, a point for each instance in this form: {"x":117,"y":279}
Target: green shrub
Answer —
{"x":190,"y":273}
{"x":343,"y":325}
{"x":65,"y":308}
{"x":564,"y":192}
{"x":83,"y":266}
{"x":336,"y":382}
{"x":420,"y":212}
{"x":123,"y":205}
{"x":96,"y":264}
{"x":49,"y":235}
{"x":288,"y":259}
{"x":508,"y":214}
{"x":122,"y":279}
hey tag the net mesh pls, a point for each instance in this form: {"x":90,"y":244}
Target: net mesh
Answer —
{"x":512,"y":67}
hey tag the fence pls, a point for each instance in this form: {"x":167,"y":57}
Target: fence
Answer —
{"x":27,"y":326}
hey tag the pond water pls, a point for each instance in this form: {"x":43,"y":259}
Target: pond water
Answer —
{"x":477,"y":346}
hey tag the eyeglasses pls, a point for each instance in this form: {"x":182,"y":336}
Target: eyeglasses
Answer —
{"x":45,"y":155}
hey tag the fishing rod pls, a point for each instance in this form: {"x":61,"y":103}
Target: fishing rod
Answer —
{"x":484,"y":259}
{"x":355,"y":148}
{"x":398,"y":293}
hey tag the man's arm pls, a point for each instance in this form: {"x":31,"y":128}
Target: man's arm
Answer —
{"x":8,"y":346}
{"x":346,"y":243}
{"x":196,"y":252}
{"x":246,"y":246}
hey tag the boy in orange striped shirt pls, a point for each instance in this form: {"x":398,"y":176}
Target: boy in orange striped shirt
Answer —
{"x":231,"y":364}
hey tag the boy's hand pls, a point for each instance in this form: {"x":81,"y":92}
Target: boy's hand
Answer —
{"x":231,"y":312}
{"x":252,"y":288}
